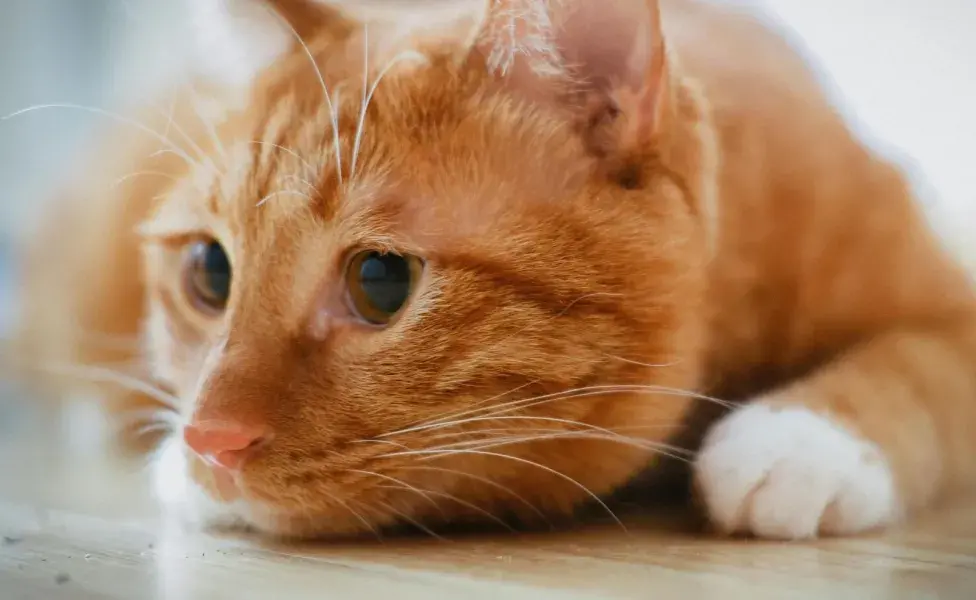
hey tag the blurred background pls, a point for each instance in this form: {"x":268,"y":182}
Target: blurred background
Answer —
{"x":903,"y":70}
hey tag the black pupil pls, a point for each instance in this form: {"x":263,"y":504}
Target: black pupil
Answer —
{"x":385,"y":279}
{"x":216,"y":270}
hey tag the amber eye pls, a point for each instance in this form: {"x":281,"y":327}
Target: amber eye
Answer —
{"x":379,"y":285}
{"x":207,"y":276}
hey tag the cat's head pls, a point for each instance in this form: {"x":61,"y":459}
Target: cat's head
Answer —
{"x":437,"y":274}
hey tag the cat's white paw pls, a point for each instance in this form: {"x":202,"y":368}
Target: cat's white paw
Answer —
{"x":789,"y":473}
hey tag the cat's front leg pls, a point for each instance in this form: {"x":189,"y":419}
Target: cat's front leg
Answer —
{"x":878,"y":432}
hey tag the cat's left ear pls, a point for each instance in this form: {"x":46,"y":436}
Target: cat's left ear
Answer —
{"x":604,"y":59}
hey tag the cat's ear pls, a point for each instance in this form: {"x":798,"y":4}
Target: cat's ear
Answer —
{"x":236,"y":39}
{"x":605,"y":59}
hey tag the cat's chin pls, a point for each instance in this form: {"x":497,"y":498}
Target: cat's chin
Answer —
{"x":183,"y":501}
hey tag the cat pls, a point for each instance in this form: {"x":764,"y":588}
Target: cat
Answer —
{"x":486,"y":270}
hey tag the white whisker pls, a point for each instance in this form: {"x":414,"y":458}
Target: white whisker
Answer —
{"x":657,"y":448}
{"x":464,"y":503}
{"x":353,"y":512}
{"x":643,"y":364}
{"x":487,"y":482}
{"x":308,"y":166}
{"x":456,"y":423}
{"x":172,"y":147}
{"x":138,"y":174}
{"x":400,"y":483}
{"x":281,"y":192}
{"x":410,"y":520}
{"x":405,"y":55}
{"x":524,"y":461}
{"x":325,"y":90}
{"x":597,"y":390}
{"x":99,"y":374}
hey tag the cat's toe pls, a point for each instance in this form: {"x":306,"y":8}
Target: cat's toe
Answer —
{"x":789,"y":473}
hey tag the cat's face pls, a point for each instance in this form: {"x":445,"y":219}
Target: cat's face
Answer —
{"x":424,"y":314}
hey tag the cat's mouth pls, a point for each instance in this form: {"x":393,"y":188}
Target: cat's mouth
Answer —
{"x":199,"y":493}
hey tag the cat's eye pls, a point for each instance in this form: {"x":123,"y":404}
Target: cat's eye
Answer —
{"x":207,"y":276}
{"x":378,"y":285}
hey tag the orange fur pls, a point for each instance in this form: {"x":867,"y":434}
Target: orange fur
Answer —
{"x":717,"y":230}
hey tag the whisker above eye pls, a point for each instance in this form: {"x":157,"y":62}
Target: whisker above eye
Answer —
{"x":305,"y":163}
{"x":282,"y":192}
{"x":325,"y":88}
{"x":367,"y":98}
{"x":138,"y":174}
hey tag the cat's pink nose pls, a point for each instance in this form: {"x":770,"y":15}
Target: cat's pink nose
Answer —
{"x":223,"y":443}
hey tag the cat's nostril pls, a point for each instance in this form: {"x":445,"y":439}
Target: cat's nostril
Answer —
{"x":222,"y":443}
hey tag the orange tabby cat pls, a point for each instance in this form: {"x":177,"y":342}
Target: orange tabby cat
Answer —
{"x":494,"y":278}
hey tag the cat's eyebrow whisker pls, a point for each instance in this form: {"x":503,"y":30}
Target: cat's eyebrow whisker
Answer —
{"x":362,"y":109}
{"x":282,"y":192}
{"x":170,"y":145}
{"x":531,"y":463}
{"x":202,"y":156}
{"x":367,"y":98}
{"x":325,"y":89}
{"x":211,"y":128}
{"x":194,"y":98}
{"x":299,"y":157}
{"x":399,"y":483}
{"x":460,"y":501}
{"x":138,"y":174}
{"x":485,"y":481}
{"x":402,"y":515}
{"x":302,"y":181}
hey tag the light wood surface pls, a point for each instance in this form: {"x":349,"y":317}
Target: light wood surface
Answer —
{"x":77,"y":523}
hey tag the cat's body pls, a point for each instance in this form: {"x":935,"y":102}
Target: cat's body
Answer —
{"x":717,"y":229}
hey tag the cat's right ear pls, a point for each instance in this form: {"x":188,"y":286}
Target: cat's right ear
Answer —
{"x":604,"y":61}
{"x":236,"y":39}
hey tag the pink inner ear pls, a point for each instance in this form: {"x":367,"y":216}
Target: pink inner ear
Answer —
{"x":610,"y":43}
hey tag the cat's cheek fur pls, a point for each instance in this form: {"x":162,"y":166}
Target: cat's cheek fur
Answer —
{"x":789,"y":473}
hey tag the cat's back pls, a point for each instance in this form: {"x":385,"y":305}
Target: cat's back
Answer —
{"x":820,"y":239}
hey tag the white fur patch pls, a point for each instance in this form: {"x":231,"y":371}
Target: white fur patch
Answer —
{"x":180,"y":499}
{"x":789,"y":473}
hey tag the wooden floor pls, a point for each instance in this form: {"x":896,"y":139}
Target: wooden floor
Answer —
{"x":77,"y":524}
